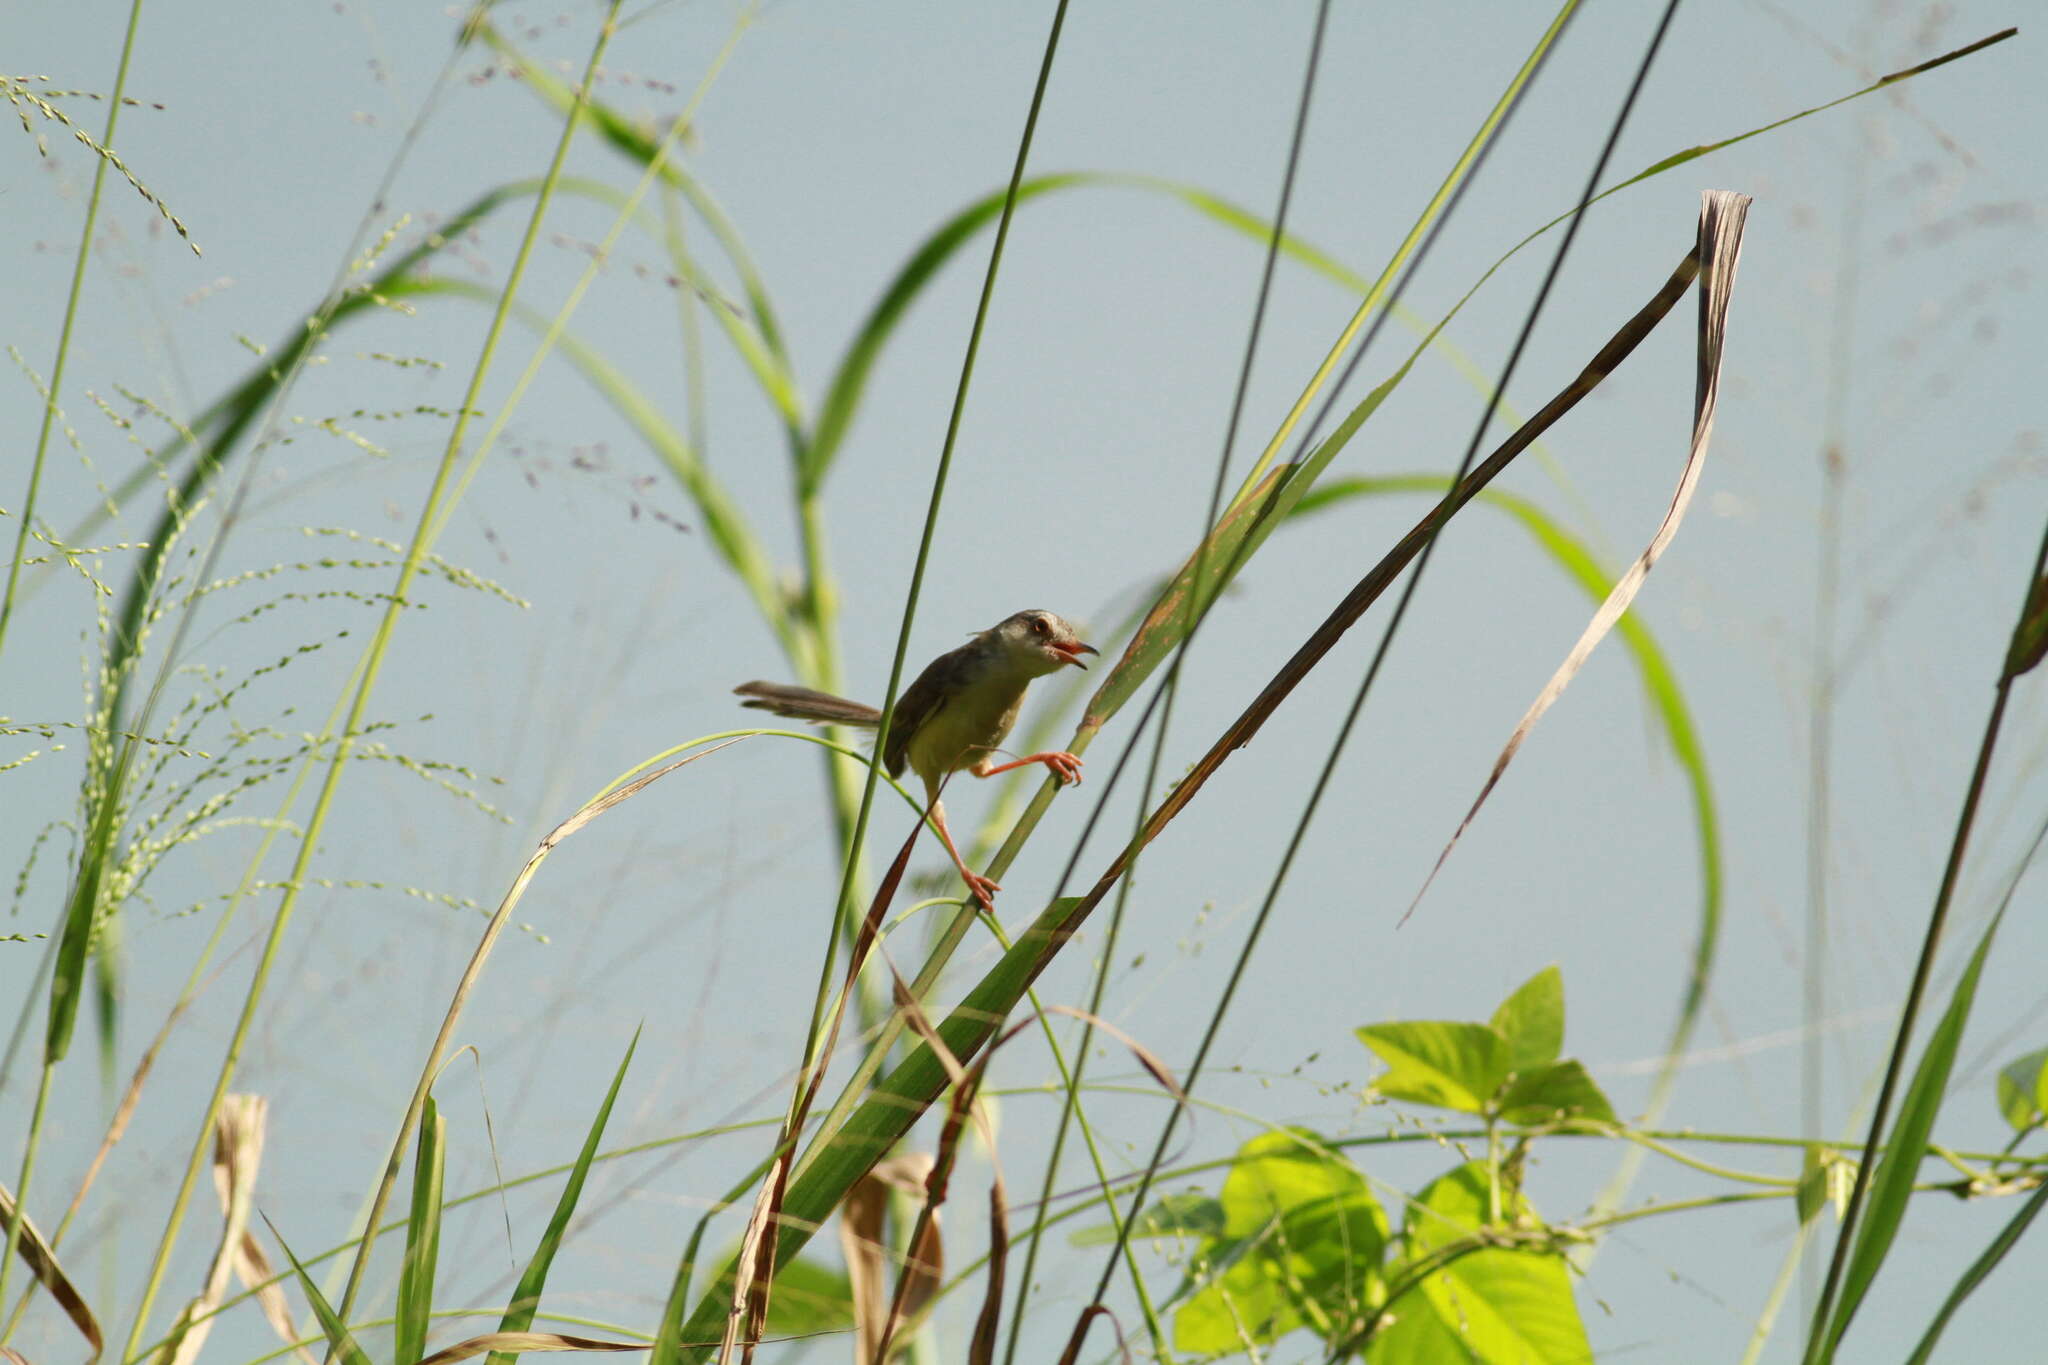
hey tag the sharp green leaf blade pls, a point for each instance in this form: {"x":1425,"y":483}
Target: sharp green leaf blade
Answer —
{"x":422,"y":1238}
{"x":1448,"y":1064}
{"x":338,"y":1336}
{"x":526,"y":1298}
{"x":1891,"y":1185}
{"x":1532,"y":1020}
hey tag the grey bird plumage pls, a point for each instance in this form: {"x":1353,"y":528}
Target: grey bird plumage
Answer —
{"x":957,"y":713}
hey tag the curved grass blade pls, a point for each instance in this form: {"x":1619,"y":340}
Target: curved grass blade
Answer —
{"x":526,"y":1298}
{"x":849,"y":380}
{"x":1720,"y":248}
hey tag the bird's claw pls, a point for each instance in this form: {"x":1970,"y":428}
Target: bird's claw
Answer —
{"x":984,"y":890}
{"x":1067,"y":766}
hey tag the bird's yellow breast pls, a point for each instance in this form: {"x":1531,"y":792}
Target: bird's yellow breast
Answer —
{"x":967,"y":728}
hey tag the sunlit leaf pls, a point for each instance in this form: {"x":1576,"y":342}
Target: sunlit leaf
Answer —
{"x":1448,"y":1064}
{"x":1532,"y":1020}
{"x":1505,"y":1306}
{"x":2023,"y":1090}
{"x":1556,"y":1093}
{"x":1302,"y":1243}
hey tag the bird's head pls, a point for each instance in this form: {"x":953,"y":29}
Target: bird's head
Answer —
{"x":1039,"y":642}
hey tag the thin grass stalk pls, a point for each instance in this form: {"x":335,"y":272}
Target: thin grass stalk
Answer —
{"x":28,"y":510}
{"x":416,"y":553}
{"x":1823,"y":691}
{"x":1825,"y":1333}
{"x":895,"y":1101}
{"x":432,"y":514}
{"x":1438,"y":519}
{"x":1070,"y":1107}
{"x":949,"y":939}
{"x":939,"y":475}
{"x":1452,"y":183}
{"x":71,"y":299}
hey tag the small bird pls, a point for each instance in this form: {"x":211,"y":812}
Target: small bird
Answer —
{"x":956,"y":714}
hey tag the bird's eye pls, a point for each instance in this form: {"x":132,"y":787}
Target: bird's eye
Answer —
{"x":1038,"y":624}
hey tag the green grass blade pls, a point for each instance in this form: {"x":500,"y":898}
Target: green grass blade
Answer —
{"x":526,"y":1298}
{"x":1891,"y":1187}
{"x":338,"y":1336}
{"x":422,"y":1238}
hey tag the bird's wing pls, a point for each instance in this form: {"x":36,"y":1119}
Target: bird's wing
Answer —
{"x":804,"y":703}
{"x":920,"y":703}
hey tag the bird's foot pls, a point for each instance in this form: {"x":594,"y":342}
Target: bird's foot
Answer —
{"x":1066,"y":765}
{"x":984,"y":890}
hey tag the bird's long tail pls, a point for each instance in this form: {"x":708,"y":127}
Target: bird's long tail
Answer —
{"x":804,"y":703}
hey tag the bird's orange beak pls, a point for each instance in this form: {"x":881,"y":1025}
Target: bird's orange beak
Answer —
{"x":1071,"y":652}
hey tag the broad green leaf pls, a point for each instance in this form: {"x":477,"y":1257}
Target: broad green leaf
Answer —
{"x":1532,"y":1020}
{"x":526,"y":1298}
{"x":1557,"y":1093}
{"x":1448,"y":1064}
{"x":1302,"y":1241}
{"x":1506,"y":1306}
{"x":1411,"y":1333}
{"x":422,"y":1238}
{"x":1891,"y":1184}
{"x":2023,"y":1090}
{"x":1175,"y":1215}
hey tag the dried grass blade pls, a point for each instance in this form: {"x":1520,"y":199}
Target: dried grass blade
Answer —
{"x":1720,"y":246}
{"x":41,"y":1259}
{"x":754,"y":1271}
{"x":981,"y":1348}
{"x":237,"y":1153}
{"x":253,"y":1269}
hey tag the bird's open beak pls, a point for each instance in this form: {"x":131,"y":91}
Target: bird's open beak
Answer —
{"x":1071,"y":653}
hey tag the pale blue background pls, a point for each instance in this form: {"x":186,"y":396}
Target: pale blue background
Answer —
{"x":1894,"y":238}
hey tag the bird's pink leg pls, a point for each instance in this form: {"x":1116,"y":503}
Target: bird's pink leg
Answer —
{"x":984,"y":890}
{"x":1066,"y":765}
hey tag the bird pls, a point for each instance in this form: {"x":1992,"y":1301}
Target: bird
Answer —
{"x":955,"y":715}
